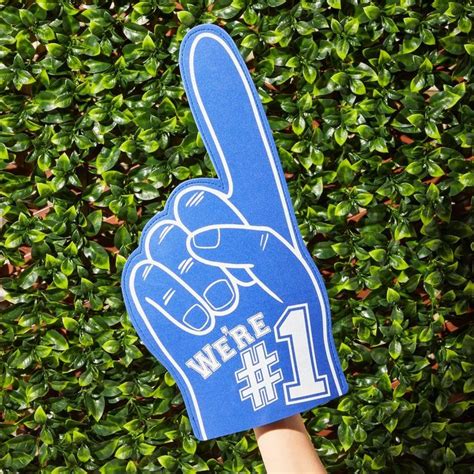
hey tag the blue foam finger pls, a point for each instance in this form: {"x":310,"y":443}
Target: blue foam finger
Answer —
{"x":247,"y":335}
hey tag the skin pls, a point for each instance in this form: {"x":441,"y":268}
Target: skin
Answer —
{"x":286,"y":447}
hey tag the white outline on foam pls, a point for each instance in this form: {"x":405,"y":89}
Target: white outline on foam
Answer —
{"x":272,"y":164}
{"x":300,"y":259}
{"x":295,"y":247}
{"x":240,"y":375}
{"x":212,"y":312}
{"x":248,"y":90}
{"x":292,"y":351}
{"x":178,"y":368}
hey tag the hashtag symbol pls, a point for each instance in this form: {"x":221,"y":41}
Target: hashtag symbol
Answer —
{"x":257,"y":372}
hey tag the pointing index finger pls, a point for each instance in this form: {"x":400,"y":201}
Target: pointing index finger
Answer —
{"x":236,"y":133}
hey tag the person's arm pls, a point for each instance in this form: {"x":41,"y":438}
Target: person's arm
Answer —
{"x":286,"y":447}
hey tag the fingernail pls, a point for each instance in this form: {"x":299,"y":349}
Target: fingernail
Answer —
{"x":208,"y":239}
{"x":219,"y":294}
{"x":196,"y":317}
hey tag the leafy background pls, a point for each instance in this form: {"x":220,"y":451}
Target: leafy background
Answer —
{"x":370,"y":103}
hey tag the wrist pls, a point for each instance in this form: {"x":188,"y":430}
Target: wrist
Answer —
{"x":286,"y":447}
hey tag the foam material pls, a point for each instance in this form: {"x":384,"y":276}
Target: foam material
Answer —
{"x":222,"y":290}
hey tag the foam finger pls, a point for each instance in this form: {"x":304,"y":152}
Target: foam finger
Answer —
{"x":235,"y":130}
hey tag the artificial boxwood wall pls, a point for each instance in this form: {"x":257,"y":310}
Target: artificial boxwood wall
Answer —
{"x":370,"y":103}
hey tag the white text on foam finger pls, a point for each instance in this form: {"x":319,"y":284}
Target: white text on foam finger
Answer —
{"x":211,"y":357}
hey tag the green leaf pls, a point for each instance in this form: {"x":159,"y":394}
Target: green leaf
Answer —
{"x":364,"y":199}
{"x":148,"y":43}
{"x":53,"y":338}
{"x":426,"y":335}
{"x":372,"y":12}
{"x":358,"y":87}
{"x":360,"y":435}
{"x":466,"y":179}
{"x":434,"y":169}
{"x":45,"y":189}
{"x":342,"y":48}
{"x":168,"y":462}
{"x":469,"y":385}
{"x":95,"y":406}
{"x":106,"y":449}
{"x":324,"y":250}
{"x":3,"y":152}
{"x":147,"y":449}
{"x":309,"y":73}
{"x":465,"y":24}
{"x":116,"y":466}
{"x":13,"y":241}
{"x":181,"y":173}
{"x":94,"y":224}
{"x":398,"y":263}
{"x":70,"y":324}
{"x":434,"y":278}
{"x":249,"y":41}
{"x":61,"y":281}
{"x":378,"y":254}
{"x":111,"y":346}
{"x":444,"y":100}
{"x":340,"y":135}
{"x":414,"y":168}
{"x":47,"y":4}
{"x":410,"y":44}
{"x":55,"y":49}
{"x":189,"y":445}
{"x":40,"y":416}
{"x":395,"y":349}
{"x":431,"y":129}
{"x":107,"y":158}
{"x":345,"y":172}
{"x":20,"y":460}
{"x":186,"y":18}
{"x":134,"y":32}
{"x":343,"y":208}
{"x":352,"y":26}
{"x":298,"y":125}
{"x":345,"y":435}
{"x":305,"y":102}
{"x":453,"y":44}
{"x":124,"y":452}
{"x":469,"y":49}
{"x":417,"y":120}
{"x":83,"y":453}
{"x":392,"y":295}
{"x":98,"y":255}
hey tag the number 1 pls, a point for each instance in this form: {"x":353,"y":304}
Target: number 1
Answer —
{"x":294,"y":327}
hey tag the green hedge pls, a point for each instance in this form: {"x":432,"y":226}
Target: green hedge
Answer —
{"x":370,"y":103}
